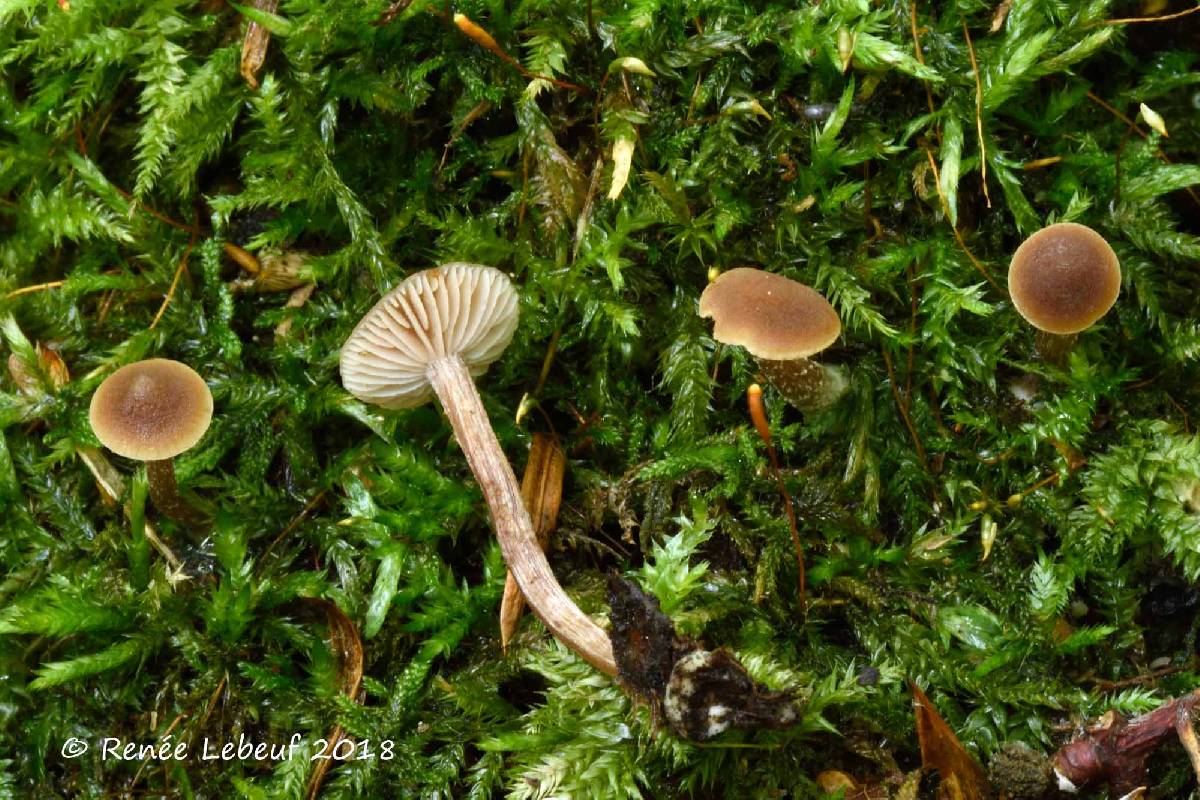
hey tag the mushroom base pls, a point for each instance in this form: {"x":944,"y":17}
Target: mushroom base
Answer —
{"x":455,"y":389}
{"x":164,"y":493}
{"x":804,"y":383}
{"x":1055,"y":347}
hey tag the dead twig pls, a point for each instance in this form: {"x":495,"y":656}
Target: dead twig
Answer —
{"x":937,"y":182}
{"x":758,"y":416}
{"x":978,"y":114}
{"x":1163,"y":18}
{"x":174,"y":283}
{"x":904,"y":415}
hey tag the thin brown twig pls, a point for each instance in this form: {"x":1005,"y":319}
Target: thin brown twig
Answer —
{"x":291,"y":526}
{"x":481,"y":37}
{"x":1163,"y":18}
{"x":1133,"y":126}
{"x":1145,"y":677}
{"x":1038,"y":163}
{"x":105,"y":305}
{"x":1181,"y":410}
{"x":170,"y":729}
{"x":35,"y":288}
{"x":903,"y":406}
{"x":1116,"y":112}
{"x":937,"y":182}
{"x":174,"y":283}
{"x":547,"y":361}
{"x":978,"y":114}
{"x":212,"y":702}
{"x":912,"y":329}
{"x":912,"y":16}
{"x":759,"y":417}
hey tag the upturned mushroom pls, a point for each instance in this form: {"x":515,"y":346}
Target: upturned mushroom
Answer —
{"x":782,"y":322}
{"x":1063,"y":279}
{"x":431,"y":335}
{"x":152,"y":411}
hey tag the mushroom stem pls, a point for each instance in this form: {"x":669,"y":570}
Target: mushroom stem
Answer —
{"x":455,"y":389}
{"x":1054,"y":347}
{"x":164,"y":492}
{"x":804,"y":383}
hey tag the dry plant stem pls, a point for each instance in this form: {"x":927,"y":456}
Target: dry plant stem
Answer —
{"x":1055,"y":347}
{"x":113,"y":486}
{"x":759,"y":416}
{"x":805,"y":384}
{"x":456,"y":390}
{"x":541,"y":491}
{"x":165,"y":493}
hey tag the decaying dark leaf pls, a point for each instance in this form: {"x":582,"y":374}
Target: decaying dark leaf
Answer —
{"x":710,"y":692}
{"x":541,"y":491}
{"x":644,"y":641}
{"x":961,"y":777}
{"x":701,"y":693}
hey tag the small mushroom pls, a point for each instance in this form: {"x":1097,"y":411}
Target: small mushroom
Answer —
{"x":431,"y":335}
{"x":782,"y":322}
{"x":1063,"y":279}
{"x":152,"y":411}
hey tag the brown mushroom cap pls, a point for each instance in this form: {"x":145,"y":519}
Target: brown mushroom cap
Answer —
{"x":466,"y":310}
{"x":151,"y":410}
{"x":771,"y":316}
{"x":1063,"y":278}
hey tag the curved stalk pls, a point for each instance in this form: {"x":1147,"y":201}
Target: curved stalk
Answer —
{"x":460,"y":400}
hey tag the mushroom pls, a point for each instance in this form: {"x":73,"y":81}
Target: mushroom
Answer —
{"x":431,"y":335}
{"x":1062,"y":279}
{"x":782,"y":322}
{"x":152,"y":411}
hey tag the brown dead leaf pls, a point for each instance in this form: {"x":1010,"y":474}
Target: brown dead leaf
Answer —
{"x":53,"y":371}
{"x":254,"y":46}
{"x":541,"y":491}
{"x":961,"y":776}
{"x":296,"y":299}
{"x":53,"y":365}
{"x":1000,"y":14}
{"x":347,"y":648}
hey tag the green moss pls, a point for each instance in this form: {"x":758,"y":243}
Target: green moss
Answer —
{"x":808,"y":139}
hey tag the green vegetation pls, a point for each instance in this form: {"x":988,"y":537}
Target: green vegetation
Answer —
{"x":811,"y":139}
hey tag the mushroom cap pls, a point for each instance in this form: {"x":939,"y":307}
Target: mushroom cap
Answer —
{"x":771,"y":316}
{"x":151,"y":410}
{"x":1063,"y":278}
{"x":459,"y":309}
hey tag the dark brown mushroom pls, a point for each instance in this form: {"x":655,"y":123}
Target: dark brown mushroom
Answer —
{"x":1063,"y":279}
{"x":782,"y":322}
{"x":152,"y":411}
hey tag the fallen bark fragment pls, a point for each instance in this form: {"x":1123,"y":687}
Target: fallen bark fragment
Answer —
{"x":701,"y":693}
